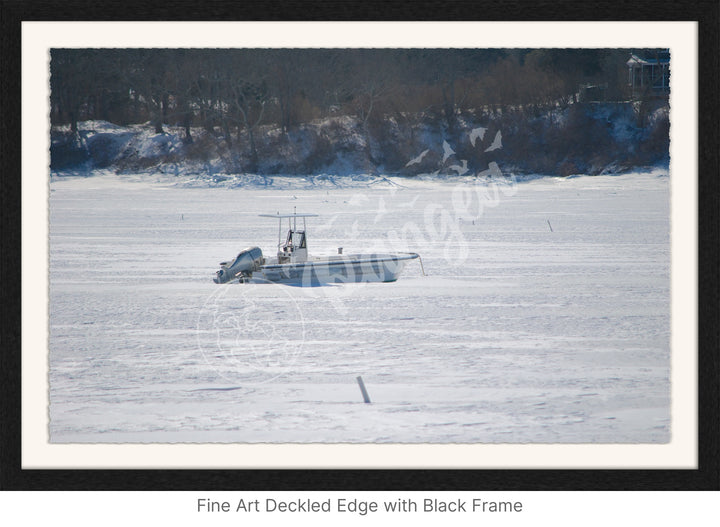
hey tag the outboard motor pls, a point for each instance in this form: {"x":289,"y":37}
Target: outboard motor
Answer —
{"x":241,"y":267}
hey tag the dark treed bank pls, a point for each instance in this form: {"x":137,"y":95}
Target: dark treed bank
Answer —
{"x":405,"y":112}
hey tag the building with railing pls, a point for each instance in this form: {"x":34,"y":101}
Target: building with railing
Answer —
{"x":649,"y":73}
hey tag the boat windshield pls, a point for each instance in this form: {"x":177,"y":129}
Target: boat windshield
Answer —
{"x":296,"y":239}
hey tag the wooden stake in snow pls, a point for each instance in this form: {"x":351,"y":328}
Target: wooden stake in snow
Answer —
{"x":365,"y":395}
{"x":551,"y":229}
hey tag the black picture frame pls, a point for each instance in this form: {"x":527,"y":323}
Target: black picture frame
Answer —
{"x":705,"y":477}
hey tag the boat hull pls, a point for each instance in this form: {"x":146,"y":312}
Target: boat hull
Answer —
{"x":339,"y":269}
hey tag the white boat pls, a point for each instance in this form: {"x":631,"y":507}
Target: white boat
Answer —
{"x":294,"y":265}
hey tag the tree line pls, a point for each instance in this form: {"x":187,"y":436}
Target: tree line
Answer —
{"x":234,"y":91}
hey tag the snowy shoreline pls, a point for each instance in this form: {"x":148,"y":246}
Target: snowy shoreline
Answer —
{"x":319,"y":181}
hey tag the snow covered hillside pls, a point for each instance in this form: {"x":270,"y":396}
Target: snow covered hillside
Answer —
{"x":591,"y":139}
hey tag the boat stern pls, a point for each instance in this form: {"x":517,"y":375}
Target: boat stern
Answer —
{"x":241,"y":268}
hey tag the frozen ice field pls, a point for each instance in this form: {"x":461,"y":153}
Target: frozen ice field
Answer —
{"x":544,"y":316}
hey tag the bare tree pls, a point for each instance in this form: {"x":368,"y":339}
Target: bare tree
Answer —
{"x":249,"y":100}
{"x":68,"y":84}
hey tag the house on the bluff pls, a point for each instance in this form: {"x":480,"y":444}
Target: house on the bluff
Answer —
{"x":649,"y":73}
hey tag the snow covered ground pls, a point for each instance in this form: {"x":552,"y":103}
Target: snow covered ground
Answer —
{"x":544,"y":315}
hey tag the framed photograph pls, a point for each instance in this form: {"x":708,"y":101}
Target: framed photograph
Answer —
{"x":368,"y":255}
